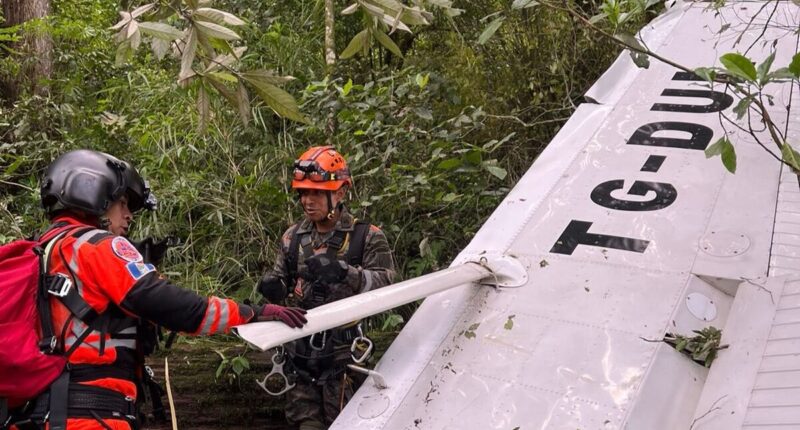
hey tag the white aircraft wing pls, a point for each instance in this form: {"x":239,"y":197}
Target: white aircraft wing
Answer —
{"x":628,"y":232}
{"x":624,"y":232}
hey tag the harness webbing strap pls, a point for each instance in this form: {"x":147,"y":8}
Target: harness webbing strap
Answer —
{"x":59,"y":396}
{"x":358,"y":238}
{"x":354,"y":255}
{"x":291,"y":257}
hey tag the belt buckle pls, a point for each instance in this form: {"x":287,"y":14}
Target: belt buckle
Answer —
{"x":63,"y":290}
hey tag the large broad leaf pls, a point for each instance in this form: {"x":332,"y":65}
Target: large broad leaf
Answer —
{"x":349,"y":10}
{"x":216,"y":31}
{"x":125,"y":18}
{"x":388,"y":43}
{"x":141,"y":10}
{"x":359,"y":42}
{"x":738,"y":65}
{"x":490,"y":30}
{"x":267,"y":76}
{"x":495,"y":170}
{"x":189,"y":51}
{"x":791,"y":157}
{"x":723,"y":148}
{"x":203,"y":109}
{"x":218,"y":16}
{"x":160,"y":47}
{"x":794,"y":66}
{"x":160,"y":30}
{"x":279,"y":100}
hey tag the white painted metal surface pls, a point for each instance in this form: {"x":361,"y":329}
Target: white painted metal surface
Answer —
{"x":501,"y":270}
{"x":625,"y":232}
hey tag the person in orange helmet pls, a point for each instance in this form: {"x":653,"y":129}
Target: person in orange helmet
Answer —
{"x":326,"y":257}
{"x":103,"y":297}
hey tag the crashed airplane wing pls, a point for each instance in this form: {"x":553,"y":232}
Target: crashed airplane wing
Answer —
{"x":621,"y":232}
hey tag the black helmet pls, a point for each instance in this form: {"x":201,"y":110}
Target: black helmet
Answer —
{"x":91,"y":181}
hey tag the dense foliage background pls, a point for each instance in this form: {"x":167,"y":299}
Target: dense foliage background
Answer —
{"x":435,"y":139}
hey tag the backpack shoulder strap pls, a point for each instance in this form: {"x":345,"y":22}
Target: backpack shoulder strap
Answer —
{"x":65,"y":290}
{"x":49,"y":342}
{"x":358,"y":238}
{"x":292,"y":255}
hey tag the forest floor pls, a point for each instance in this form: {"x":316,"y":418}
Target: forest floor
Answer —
{"x":204,"y":402}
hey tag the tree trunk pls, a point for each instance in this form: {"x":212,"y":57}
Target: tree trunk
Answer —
{"x":34,"y":50}
{"x":330,"y":63}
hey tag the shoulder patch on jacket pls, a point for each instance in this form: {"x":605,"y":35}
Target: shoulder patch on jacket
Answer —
{"x":138,"y":270}
{"x":124,"y":250}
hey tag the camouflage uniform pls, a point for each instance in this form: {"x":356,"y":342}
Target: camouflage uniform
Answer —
{"x":320,"y":375}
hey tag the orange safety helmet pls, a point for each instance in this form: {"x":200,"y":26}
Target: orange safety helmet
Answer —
{"x":321,"y":168}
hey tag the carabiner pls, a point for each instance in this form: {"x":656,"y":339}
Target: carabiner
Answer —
{"x":278,"y":360}
{"x":361,"y":343}
{"x":324,"y":341}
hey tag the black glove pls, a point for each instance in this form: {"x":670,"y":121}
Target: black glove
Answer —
{"x":272,"y":288}
{"x":153,"y":250}
{"x":324,"y":269}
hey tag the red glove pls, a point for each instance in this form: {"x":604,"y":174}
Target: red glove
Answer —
{"x":293,"y":317}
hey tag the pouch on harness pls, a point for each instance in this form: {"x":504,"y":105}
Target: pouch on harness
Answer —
{"x":31,"y":359}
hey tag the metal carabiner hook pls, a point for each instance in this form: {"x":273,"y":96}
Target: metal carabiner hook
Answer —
{"x":278,"y":360}
{"x":361,"y":343}
{"x":324,"y":340}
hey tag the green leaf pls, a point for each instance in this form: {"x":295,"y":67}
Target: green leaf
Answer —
{"x":763,"y":69}
{"x":740,"y":66}
{"x":224,"y":76}
{"x":267,"y":76}
{"x":221,"y":368}
{"x":490,"y":29}
{"x":189,"y":51}
{"x":781,"y":74}
{"x":218,"y":16}
{"x":706,"y":73}
{"x":347,"y":87}
{"x":216,"y":31}
{"x":724,"y":148}
{"x":356,"y":45}
{"x":160,"y":30}
{"x":509,"y":323}
{"x":424,"y":113}
{"x":279,"y":100}
{"x":498,"y":172}
{"x":474,"y":326}
{"x":203,"y":108}
{"x":449,"y":164}
{"x":741,"y":108}
{"x":388,"y":43}
{"x":237,"y":367}
{"x":422,"y":80}
{"x":521,"y":4}
{"x":794,"y":66}
{"x":597,"y":18}
{"x":450,"y":197}
{"x":790,"y":156}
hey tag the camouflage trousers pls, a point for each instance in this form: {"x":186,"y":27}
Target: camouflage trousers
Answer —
{"x":321,"y":399}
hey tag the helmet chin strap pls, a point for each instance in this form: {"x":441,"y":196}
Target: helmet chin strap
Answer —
{"x":331,"y":209}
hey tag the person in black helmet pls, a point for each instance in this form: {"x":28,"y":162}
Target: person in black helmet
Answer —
{"x":95,"y":195}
